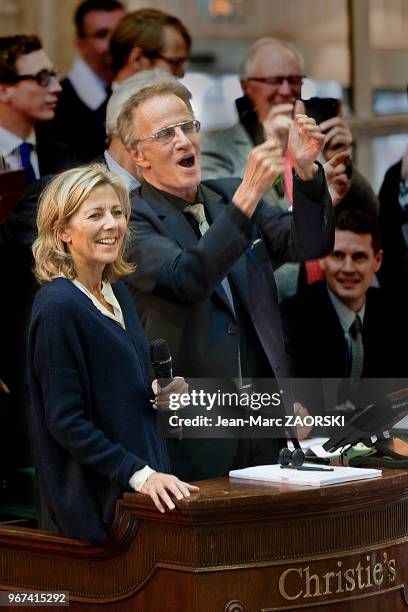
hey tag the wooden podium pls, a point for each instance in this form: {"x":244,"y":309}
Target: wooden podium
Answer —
{"x":238,"y":546}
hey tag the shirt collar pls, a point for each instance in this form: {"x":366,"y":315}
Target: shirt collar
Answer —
{"x":90,"y":89}
{"x":130,"y":181}
{"x":109,"y":296}
{"x":179,"y":202}
{"x":9,"y":142}
{"x":346,"y":315}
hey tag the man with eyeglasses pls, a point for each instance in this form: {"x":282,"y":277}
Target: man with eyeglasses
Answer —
{"x":149,"y":38}
{"x":204,"y":279}
{"x":29,"y":90}
{"x":271,"y":75}
{"x":80,"y":115}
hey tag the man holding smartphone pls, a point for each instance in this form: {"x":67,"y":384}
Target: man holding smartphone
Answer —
{"x":271,"y":77}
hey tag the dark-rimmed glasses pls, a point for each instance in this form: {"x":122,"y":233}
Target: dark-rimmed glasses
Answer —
{"x":43,"y":78}
{"x":166,"y":134}
{"x":176,"y":62}
{"x":293,"y":81}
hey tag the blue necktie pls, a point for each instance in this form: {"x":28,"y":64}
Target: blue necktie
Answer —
{"x":25,"y":150}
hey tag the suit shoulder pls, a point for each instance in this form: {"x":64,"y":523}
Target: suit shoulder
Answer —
{"x":305,"y":301}
{"x":225,"y":187}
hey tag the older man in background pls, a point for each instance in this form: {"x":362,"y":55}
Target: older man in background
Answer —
{"x":271,"y":76}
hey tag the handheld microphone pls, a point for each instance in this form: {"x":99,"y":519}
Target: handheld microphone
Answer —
{"x":161,"y":362}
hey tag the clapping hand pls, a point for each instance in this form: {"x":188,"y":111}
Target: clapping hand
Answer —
{"x":305,"y":143}
{"x":337,"y":180}
{"x":265,"y":164}
{"x":278,"y":122}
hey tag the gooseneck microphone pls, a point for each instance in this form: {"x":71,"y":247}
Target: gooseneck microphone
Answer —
{"x":161,"y":362}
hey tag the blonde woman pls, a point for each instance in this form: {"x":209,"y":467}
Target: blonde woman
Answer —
{"x":96,"y":433}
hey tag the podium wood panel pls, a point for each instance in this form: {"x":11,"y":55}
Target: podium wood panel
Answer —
{"x":238,"y":546}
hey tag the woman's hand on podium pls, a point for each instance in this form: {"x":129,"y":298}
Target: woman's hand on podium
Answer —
{"x":159,"y":485}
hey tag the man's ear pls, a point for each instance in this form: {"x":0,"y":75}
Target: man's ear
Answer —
{"x":5,"y":93}
{"x":79,"y":43}
{"x":138,"y":157}
{"x":378,"y":260}
{"x":322,"y":263}
{"x":136,"y":61}
{"x":244,"y":86}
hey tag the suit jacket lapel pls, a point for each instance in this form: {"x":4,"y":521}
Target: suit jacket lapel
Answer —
{"x":178,"y":226}
{"x":238,"y":272}
{"x":173,"y":219}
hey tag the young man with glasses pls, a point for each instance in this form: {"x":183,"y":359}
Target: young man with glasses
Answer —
{"x":29,"y":90}
{"x":194,"y":283}
{"x":149,"y":38}
{"x":80,"y":116}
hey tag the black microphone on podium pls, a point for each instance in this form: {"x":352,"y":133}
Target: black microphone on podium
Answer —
{"x":162,"y":367}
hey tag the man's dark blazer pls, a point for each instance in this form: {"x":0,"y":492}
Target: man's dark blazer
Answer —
{"x":394,"y":271}
{"x":78,"y":126}
{"x":315,"y":340}
{"x":53,"y":155}
{"x":177,"y":282}
{"x":317,"y":349}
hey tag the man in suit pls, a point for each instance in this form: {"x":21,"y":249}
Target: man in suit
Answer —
{"x":343,"y":328}
{"x":204,"y":280}
{"x":317,"y":323}
{"x":80,"y":114}
{"x":29,"y":91}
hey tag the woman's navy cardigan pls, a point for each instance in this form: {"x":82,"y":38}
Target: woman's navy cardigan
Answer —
{"x":93,"y":422}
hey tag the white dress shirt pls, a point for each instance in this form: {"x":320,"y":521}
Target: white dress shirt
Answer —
{"x":130,"y":181}
{"x":90,"y":89}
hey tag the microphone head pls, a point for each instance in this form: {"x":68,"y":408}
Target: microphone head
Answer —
{"x":159,"y":351}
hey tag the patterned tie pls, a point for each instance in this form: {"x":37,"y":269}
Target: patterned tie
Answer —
{"x":357,"y":348}
{"x":25,"y":150}
{"x":198,"y":213}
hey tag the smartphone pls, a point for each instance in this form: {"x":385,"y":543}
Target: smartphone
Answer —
{"x":321,"y":109}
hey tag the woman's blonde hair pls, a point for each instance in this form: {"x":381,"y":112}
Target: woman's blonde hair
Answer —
{"x":58,"y":203}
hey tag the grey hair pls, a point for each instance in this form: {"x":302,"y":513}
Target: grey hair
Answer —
{"x":128,"y":88}
{"x":126,"y":127}
{"x":246,"y":64}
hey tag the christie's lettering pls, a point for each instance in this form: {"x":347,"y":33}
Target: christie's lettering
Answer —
{"x":296,"y":583}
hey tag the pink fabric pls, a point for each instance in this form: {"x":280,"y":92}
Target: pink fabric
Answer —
{"x":288,"y":178}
